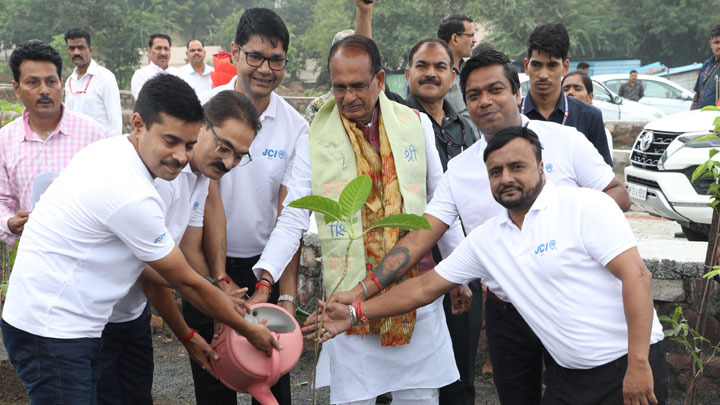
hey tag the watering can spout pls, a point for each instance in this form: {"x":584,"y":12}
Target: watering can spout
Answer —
{"x":261,"y":392}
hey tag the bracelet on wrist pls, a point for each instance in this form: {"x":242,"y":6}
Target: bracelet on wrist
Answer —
{"x":353,"y":316}
{"x":364,"y":287}
{"x":224,"y":278}
{"x":372,"y":277}
{"x":359,"y":312}
{"x":188,"y":337}
{"x":289,"y":298}
{"x":265,"y":283}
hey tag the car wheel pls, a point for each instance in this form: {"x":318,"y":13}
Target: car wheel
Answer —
{"x":696,"y":232}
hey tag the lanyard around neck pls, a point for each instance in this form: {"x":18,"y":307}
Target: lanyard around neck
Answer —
{"x":82,"y":91}
{"x":565,"y":114}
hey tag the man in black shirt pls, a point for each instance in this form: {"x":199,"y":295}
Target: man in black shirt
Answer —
{"x":429,"y":76}
{"x":546,"y":63}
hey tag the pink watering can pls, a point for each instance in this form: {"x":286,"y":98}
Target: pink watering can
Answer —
{"x":243,"y":368}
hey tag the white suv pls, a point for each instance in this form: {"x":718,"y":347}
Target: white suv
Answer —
{"x":662,"y":161}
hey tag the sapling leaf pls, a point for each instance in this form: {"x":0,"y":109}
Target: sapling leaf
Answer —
{"x":699,"y":171}
{"x":677,"y":313}
{"x":713,"y":273}
{"x":323,"y":205}
{"x":354,"y":195}
{"x":710,"y":108}
{"x":402,"y":221}
{"x":705,"y":138}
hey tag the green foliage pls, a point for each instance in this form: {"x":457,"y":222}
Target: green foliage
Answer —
{"x":8,"y":106}
{"x":7,"y":260}
{"x":323,"y":205}
{"x":354,"y":195}
{"x":624,"y":29}
{"x":711,"y":168}
{"x":403,"y":221}
{"x":223,"y":31}
{"x":682,"y":333}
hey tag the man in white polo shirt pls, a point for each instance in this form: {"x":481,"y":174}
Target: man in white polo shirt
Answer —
{"x":196,"y":72}
{"x":91,"y":89}
{"x":252,"y":196}
{"x":89,"y":239}
{"x":126,"y":357}
{"x":580,"y":283}
{"x":491,"y":86}
{"x":159,"y":54}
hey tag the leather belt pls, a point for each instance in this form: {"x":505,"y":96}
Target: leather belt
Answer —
{"x":491,"y":295}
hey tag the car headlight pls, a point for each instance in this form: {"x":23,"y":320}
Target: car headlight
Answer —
{"x":689,"y":141}
{"x":694,"y":141}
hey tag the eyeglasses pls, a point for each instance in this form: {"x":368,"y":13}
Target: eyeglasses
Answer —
{"x":340,"y":90}
{"x":225,"y":152}
{"x":255,"y":59}
{"x":467,"y":35}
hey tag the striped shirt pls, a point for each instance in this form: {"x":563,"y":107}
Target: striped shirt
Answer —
{"x":24,"y":155}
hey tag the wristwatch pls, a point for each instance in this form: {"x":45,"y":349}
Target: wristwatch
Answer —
{"x":287,"y":297}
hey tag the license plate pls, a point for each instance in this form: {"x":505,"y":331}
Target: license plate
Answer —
{"x":637,"y":191}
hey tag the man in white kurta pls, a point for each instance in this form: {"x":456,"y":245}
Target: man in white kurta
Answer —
{"x":196,"y":72}
{"x":159,"y":54}
{"x":91,"y":89}
{"x":360,"y":368}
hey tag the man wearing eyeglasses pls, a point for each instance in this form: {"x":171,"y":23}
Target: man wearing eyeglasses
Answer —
{"x":252,"y":197}
{"x":91,"y":89}
{"x":126,"y":356}
{"x":360,"y":131}
{"x":459,"y":33}
{"x":90,"y":237}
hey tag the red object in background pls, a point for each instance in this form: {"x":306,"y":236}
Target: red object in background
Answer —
{"x":224,"y":69}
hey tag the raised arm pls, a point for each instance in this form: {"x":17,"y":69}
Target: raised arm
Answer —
{"x":363,"y":17}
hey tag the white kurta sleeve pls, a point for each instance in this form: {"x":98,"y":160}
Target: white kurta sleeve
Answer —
{"x":285,"y":238}
{"x":454,"y":235}
{"x":113,"y":108}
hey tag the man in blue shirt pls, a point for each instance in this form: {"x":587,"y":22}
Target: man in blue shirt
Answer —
{"x":705,"y":87}
{"x":546,"y":63}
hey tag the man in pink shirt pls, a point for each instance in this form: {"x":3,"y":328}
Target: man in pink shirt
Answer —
{"x":43,"y":140}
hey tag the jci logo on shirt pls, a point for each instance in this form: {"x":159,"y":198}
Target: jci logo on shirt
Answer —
{"x":160,"y":238}
{"x":545,"y":247}
{"x":274,"y":153}
{"x":549,"y":167}
{"x":196,"y":205}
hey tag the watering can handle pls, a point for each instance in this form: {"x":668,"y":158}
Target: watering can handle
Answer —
{"x":274,"y":356}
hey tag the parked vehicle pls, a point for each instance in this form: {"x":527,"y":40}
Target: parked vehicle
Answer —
{"x":661,"y":93}
{"x":613,"y":107}
{"x":662,"y":161}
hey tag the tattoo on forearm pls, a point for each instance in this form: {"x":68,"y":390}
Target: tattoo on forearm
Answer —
{"x":394,"y":263}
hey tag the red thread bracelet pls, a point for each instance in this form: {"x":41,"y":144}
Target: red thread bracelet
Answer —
{"x":189,"y":336}
{"x":372,"y":277}
{"x":359,"y":312}
{"x":223,"y":278}
{"x":265,"y":283}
